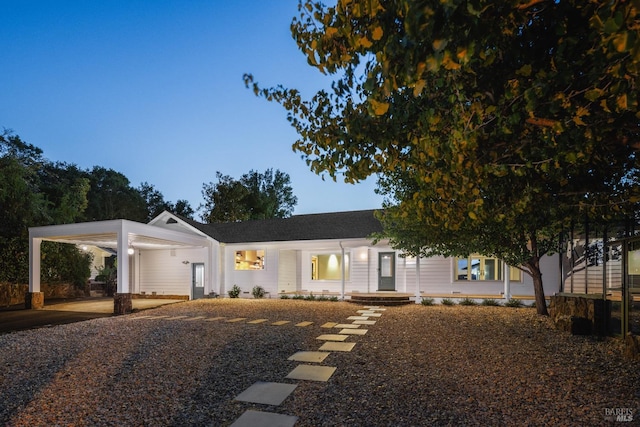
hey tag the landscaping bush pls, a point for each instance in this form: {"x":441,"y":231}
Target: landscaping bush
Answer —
{"x":258,"y":292}
{"x":427,"y":301}
{"x":334,"y":298}
{"x":310,"y":297}
{"x":234,"y":292}
{"x":491,"y":302}
{"x":513,"y":303}
{"x":467,"y":301}
{"x":284,"y":296}
{"x":298,"y":297}
{"x":447,"y":301}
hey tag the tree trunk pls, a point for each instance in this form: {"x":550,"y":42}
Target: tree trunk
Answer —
{"x":536,"y":274}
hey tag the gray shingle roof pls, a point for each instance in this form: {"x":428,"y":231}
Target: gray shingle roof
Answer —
{"x":334,"y":225}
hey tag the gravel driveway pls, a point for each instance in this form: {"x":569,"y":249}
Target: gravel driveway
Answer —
{"x":417,"y":366}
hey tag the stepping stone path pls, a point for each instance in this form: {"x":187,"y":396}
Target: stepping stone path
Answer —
{"x":260,"y":392}
{"x":271,"y":393}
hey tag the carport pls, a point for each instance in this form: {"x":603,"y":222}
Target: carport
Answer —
{"x":124,"y":236}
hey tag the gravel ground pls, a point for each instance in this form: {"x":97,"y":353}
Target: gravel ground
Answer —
{"x":417,"y":366}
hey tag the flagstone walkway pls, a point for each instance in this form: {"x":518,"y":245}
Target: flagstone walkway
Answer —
{"x":274,"y":393}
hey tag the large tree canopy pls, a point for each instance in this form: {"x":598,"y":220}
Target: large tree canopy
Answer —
{"x":254,"y":196}
{"x":491,"y":125}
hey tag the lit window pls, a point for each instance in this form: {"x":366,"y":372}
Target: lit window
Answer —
{"x":250,"y":260}
{"x":329,"y":266}
{"x":477,"y":267}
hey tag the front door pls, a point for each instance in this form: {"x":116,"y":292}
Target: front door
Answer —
{"x":197,"y":281}
{"x":386,"y":271}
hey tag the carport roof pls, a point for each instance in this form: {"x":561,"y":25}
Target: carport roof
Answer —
{"x":105,"y":234}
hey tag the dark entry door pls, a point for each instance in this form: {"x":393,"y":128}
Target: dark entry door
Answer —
{"x":386,"y":271}
{"x":197,"y":281}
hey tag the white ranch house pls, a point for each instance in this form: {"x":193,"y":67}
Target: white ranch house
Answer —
{"x":327,"y":253}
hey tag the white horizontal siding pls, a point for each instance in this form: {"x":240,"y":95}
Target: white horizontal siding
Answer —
{"x":247,"y":279}
{"x":287,"y":271}
{"x":165,"y":271}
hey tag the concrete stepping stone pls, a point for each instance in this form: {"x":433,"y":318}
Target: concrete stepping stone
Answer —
{"x":267,"y":393}
{"x":374,"y":307}
{"x":303,"y":324}
{"x":353,"y":331}
{"x":364,"y":322}
{"x":309,"y":356}
{"x":237,"y":319}
{"x":281,"y":322}
{"x":210,"y":319}
{"x":329,"y":325}
{"x":255,"y":322}
{"x":374,"y":315}
{"x":337,"y":346}
{"x":252,"y":418}
{"x":365,"y":312}
{"x":176,"y":317}
{"x":312,"y":373}
{"x":358,"y":318}
{"x":347,"y":326}
{"x":332,"y":337}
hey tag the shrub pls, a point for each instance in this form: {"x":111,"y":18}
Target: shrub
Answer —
{"x":513,"y":303}
{"x":234,"y":292}
{"x":334,"y":298}
{"x":298,"y":297}
{"x":427,"y":301}
{"x":258,"y":292}
{"x":447,"y":301}
{"x":491,"y":302}
{"x":310,"y":297}
{"x":284,"y":296}
{"x":467,"y":301}
{"x":322,"y":298}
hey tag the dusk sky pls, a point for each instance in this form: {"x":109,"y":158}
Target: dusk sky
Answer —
{"x":153,"y":89}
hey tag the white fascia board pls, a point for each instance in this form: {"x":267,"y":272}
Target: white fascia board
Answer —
{"x":306,"y":244}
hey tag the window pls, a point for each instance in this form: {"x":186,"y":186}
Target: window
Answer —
{"x":329,"y":266}
{"x":478,"y":267}
{"x":250,"y":260}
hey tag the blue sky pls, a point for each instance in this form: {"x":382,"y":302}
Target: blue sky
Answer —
{"x":153,"y":89}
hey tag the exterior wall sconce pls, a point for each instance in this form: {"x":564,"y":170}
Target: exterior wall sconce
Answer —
{"x":185,"y":262}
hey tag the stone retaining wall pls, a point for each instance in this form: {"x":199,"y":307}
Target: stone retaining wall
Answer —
{"x":581,"y":315}
{"x":12,"y":294}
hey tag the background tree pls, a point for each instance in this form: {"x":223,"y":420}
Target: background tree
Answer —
{"x":184,"y":209}
{"x":111,"y":196}
{"x":35,"y":192}
{"x":492,"y":125}
{"x":154,"y":201}
{"x":254,"y":196}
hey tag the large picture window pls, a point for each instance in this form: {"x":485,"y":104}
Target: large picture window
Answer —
{"x":329,"y":266}
{"x":250,"y":260}
{"x":478,"y":268}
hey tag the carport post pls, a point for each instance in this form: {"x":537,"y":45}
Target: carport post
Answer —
{"x":122,"y":299}
{"x":34,"y":299}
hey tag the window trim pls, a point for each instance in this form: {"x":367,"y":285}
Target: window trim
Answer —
{"x":239,"y":258}
{"x":481,"y":263}
{"x":315,"y":254}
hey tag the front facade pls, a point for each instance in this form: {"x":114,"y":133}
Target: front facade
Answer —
{"x":323,"y":254}
{"x":332,"y":254}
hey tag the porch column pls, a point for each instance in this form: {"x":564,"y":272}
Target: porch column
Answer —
{"x":34,"y":299}
{"x":122,"y":299}
{"x":418,"y":296}
{"x":507,"y":281}
{"x":343,"y":272}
